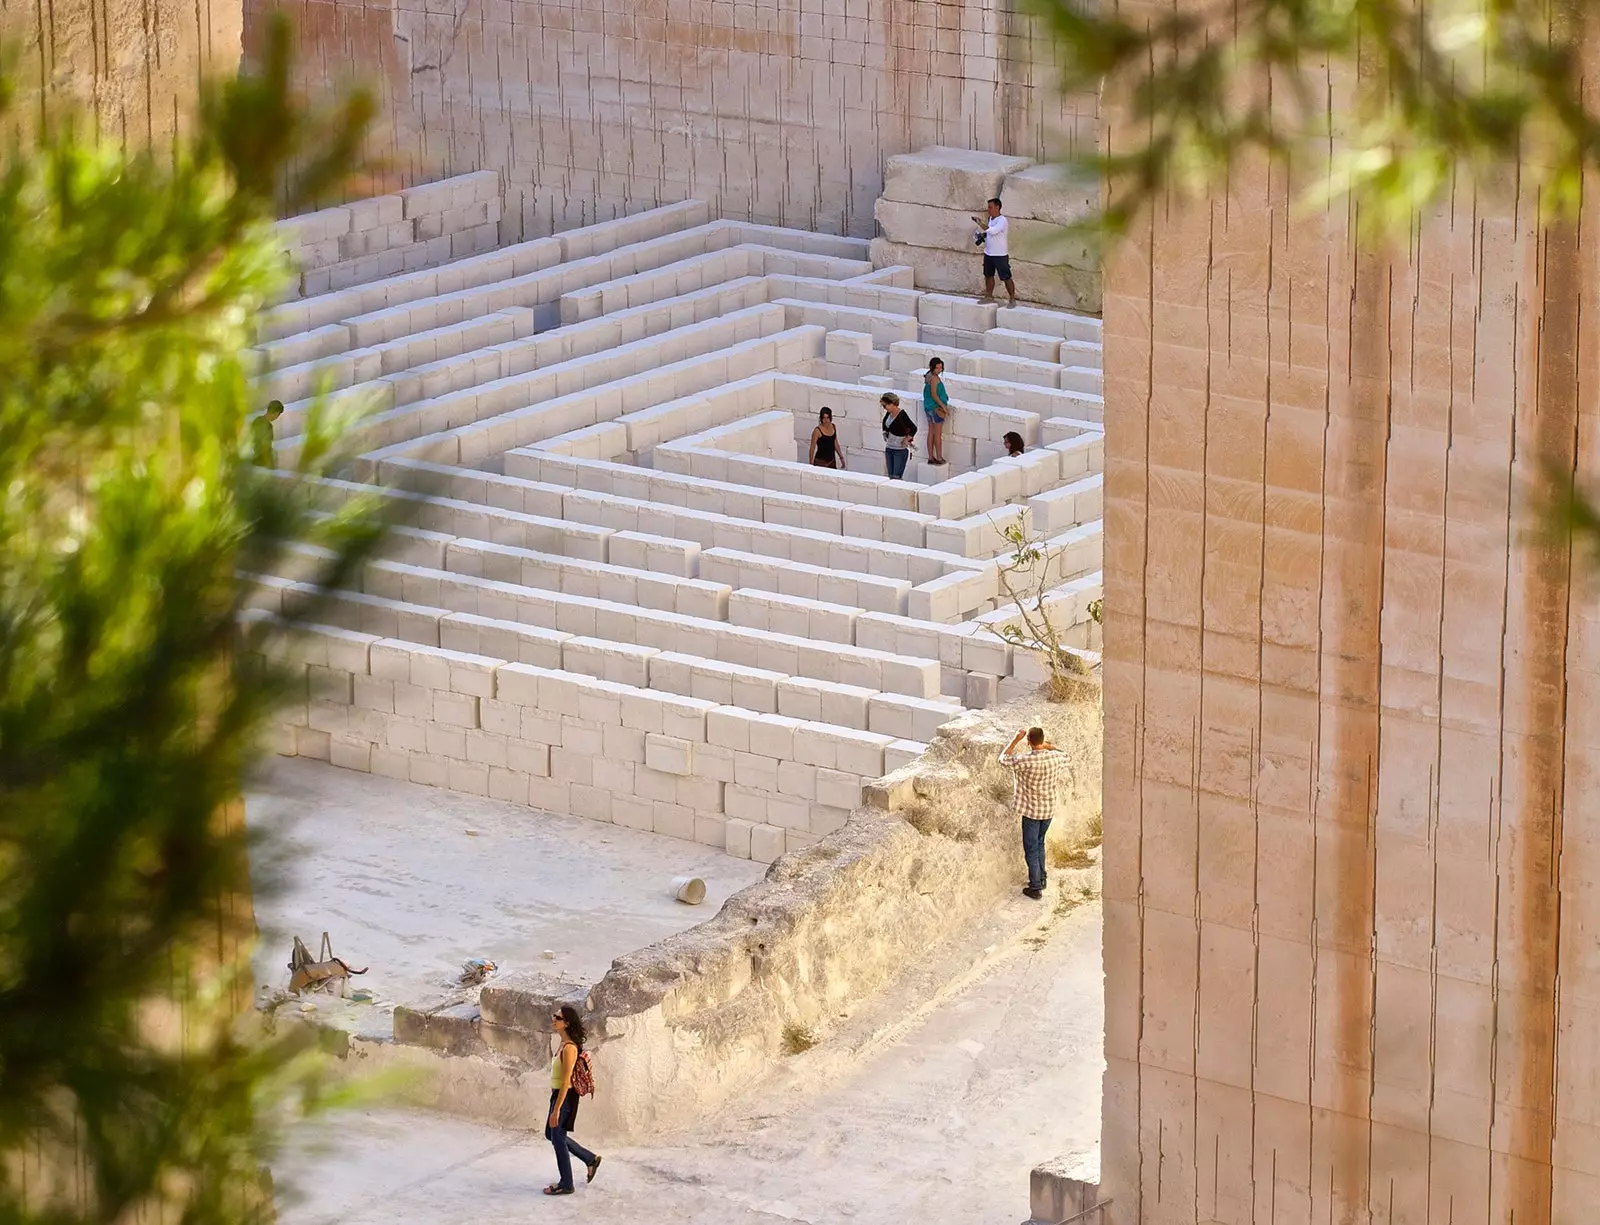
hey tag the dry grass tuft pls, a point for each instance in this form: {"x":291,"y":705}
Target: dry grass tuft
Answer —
{"x":1061,"y":855}
{"x":797,"y":1038}
{"x":1063,"y":688}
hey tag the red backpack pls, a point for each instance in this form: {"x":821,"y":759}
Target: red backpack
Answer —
{"x":583,"y":1075}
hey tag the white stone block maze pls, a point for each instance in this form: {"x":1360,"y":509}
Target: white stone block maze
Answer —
{"x":620,"y":591}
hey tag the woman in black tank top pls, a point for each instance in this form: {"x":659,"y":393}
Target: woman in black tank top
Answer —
{"x":825,"y":449}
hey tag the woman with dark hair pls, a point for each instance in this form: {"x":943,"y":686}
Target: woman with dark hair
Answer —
{"x":899,"y":431}
{"x":1013,"y":441}
{"x":568,"y":1027}
{"x":936,"y":407}
{"x":825,"y":449}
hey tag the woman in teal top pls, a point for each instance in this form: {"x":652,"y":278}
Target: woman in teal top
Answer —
{"x":936,"y":407}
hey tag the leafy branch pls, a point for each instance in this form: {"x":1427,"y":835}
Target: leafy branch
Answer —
{"x":1385,"y":99}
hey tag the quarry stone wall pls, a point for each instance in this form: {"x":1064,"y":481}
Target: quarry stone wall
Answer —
{"x":782,"y":112}
{"x":135,"y":65}
{"x":1349,"y":734}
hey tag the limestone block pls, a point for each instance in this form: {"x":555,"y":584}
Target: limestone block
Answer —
{"x":370,"y":693}
{"x":957,"y":272}
{"x":329,"y":684}
{"x":1082,"y":380}
{"x":901,"y":753}
{"x":796,"y":780}
{"x":919,"y":224}
{"x":837,"y":789}
{"x":621,"y":743}
{"x":506,"y":784}
{"x":549,"y":795}
{"x":982,"y":690}
{"x":1090,"y":354}
{"x":486,"y":748}
{"x":729,"y":728}
{"x":1084,"y":329}
{"x":948,"y":178}
{"x":1061,"y":195}
{"x":391,"y":763}
{"x":1028,"y":345}
{"x":668,"y":754}
{"x":468,"y":777}
{"x":774,"y":736}
{"x":350,"y":753}
{"x":529,"y":758}
{"x":633,"y":812}
{"x":673,"y":820}
{"x":737,"y":837}
{"x":711,"y":830}
{"x":767,"y":843}
{"x":569,"y":766}
{"x":745,"y":803}
{"x":429,"y":771}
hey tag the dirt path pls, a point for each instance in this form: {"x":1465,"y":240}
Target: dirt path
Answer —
{"x":935,"y":1114}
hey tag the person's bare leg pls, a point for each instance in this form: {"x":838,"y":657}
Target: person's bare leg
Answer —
{"x":936,"y":442}
{"x":1011,"y":288}
{"x":988,"y":288}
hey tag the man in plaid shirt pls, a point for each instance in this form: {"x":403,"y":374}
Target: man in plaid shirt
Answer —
{"x":1038,"y":776}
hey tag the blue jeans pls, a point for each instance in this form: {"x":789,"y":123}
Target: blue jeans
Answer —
{"x":895,"y":458}
{"x":1033,"y":833}
{"x":566,"y":1149}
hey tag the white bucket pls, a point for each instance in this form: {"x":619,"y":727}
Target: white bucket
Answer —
{"x":689,"y":889}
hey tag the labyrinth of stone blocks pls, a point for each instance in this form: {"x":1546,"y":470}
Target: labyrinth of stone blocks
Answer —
{"x":619,"y":589}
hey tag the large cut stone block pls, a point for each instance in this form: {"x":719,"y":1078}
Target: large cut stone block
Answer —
{"x":951,"y":229}
{"x":956,"y":272}
{"x":949,"y":178}
{"x":1056,"y":194}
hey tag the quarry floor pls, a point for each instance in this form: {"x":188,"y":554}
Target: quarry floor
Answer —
{"x":931,"y":1105}
{"x":412,"y":881}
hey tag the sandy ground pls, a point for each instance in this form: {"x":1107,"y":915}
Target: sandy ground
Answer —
{"x":412,"y":881}
{"x":932,"y":1107}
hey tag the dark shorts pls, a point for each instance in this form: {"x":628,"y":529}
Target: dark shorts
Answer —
{"x":997,"y":265}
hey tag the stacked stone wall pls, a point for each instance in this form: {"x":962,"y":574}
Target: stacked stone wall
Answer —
{"x":782,"y":111}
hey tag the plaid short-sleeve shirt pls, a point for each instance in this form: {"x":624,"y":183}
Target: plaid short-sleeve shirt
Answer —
{"x":1037,"y":781}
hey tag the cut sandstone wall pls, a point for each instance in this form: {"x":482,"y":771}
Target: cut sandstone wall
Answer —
{"x":682,"y":1026}
{"x":1350,"y":744}
{"x":782,"y":111}
{"x":135,"y":66}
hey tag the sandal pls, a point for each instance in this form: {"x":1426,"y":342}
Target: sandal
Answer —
{"x":593,"y":1169}
{"x":557,"y":1189}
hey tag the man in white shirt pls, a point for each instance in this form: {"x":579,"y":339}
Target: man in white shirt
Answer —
{"x":996,"y":234}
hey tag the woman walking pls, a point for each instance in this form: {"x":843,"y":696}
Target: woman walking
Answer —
{"x":826,"y":451}
{"x":568,"y":1027}
{"x":898,"y":432}
{"x":936,"y":407}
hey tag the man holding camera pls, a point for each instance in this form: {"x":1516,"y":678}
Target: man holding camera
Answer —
{"x":995,"y":239}
{"x":1038,"y":774}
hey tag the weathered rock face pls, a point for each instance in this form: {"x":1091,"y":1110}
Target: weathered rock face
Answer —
{"x":769,"y":111}
{"x":926,"y":217}
{"x":680,"y":1026}
{"x":134,"y":66}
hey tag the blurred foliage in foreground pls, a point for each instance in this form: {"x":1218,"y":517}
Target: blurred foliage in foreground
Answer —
{"x":132,"y":697}
{"x":1468,"y":88}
